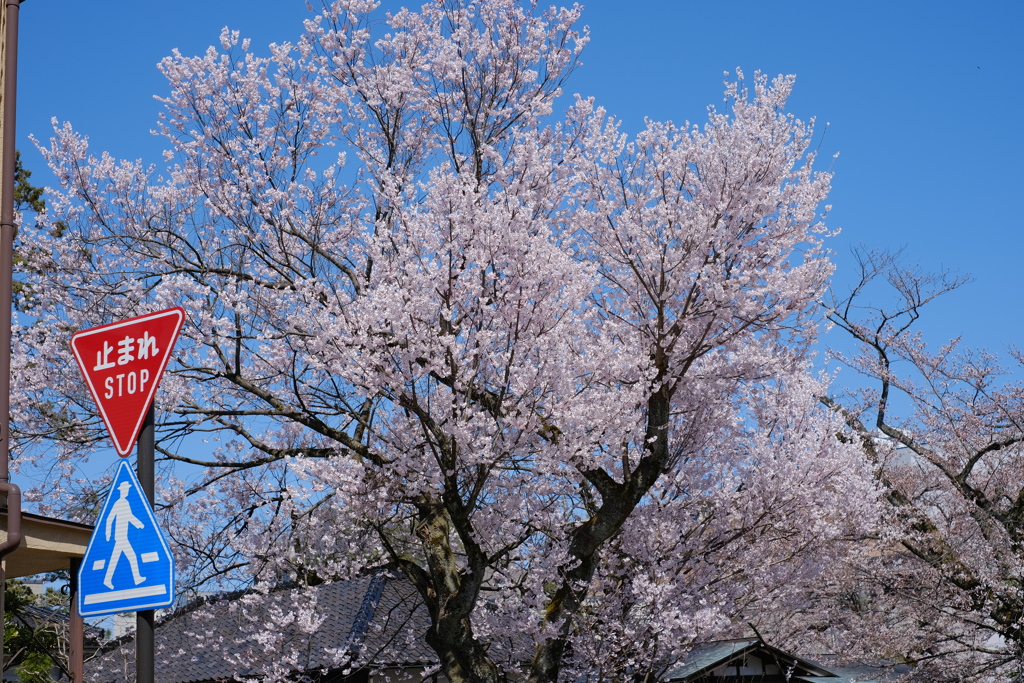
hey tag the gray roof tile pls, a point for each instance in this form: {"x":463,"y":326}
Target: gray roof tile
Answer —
{"x":378,"y":618}
{"x":703,"y":656}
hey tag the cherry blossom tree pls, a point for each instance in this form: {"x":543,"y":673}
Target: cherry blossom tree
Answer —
{"x":944,"y":428}
{"x":556,"y":376}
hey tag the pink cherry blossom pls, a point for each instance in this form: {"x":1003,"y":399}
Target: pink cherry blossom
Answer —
{"x":557,"y":376}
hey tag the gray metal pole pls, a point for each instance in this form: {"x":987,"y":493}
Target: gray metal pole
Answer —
{"x":144,"y":650}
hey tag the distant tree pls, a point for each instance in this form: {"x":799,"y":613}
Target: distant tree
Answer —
{"x":558,"y":377}
{"x":26,"y":195}
{"x":944,"y":428}
{"x":31,"y":645}
{"x":53,"y":597}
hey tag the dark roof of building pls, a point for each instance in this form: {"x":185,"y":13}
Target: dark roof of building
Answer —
{"x":709,"y":656}
{"x":704,"y":660}
{"x":867,"y":673}
{"x":35,"y":616}
{"x":377,"y":620}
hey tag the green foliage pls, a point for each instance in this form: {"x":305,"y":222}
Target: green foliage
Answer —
{"x":30,"y":644}
{"x":36,"y":667}
{"x":26,"y":196}
{"x":54,"y":598}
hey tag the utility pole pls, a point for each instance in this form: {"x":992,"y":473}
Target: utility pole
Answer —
{"x":9,"y":76}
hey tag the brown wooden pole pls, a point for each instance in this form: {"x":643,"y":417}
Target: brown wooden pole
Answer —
{"x":76,"y":630}
{"x":7,"y":230}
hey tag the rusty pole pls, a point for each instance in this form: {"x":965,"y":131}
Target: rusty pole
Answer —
{"x":76,"y":629}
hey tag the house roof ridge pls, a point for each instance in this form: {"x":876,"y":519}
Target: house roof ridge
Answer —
{"x":367,"y":609}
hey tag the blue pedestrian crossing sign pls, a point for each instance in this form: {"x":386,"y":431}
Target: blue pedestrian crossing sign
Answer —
{"x":128,"y":565}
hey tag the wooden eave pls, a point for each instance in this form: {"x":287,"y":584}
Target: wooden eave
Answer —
{"x":47,"y":544}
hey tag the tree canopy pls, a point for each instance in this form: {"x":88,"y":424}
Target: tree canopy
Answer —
{"x":943,"y":428}
{"x":558,"y":376}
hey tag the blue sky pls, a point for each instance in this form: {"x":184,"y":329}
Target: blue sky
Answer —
{"x":923,"y":100}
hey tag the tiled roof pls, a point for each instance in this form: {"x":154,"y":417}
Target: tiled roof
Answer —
{"x":34,"y":616}
{"x":703,"y":659}
{"x":378,"y":619}
{"x":705,"y":656}
{"x":394,"y":636}
{"x":879,"y":673}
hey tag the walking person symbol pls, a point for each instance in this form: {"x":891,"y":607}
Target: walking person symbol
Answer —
{"x":120,"y":518}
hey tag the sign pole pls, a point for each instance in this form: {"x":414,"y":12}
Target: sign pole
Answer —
{"x":144,"y":645}
{"x":76,"y":629}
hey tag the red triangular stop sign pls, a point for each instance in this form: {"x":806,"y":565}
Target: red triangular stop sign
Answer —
{"x":122,"y":364}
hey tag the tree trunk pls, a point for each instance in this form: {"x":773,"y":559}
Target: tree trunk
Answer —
{"x":617,"y":502}
{"x":450,"y":598}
